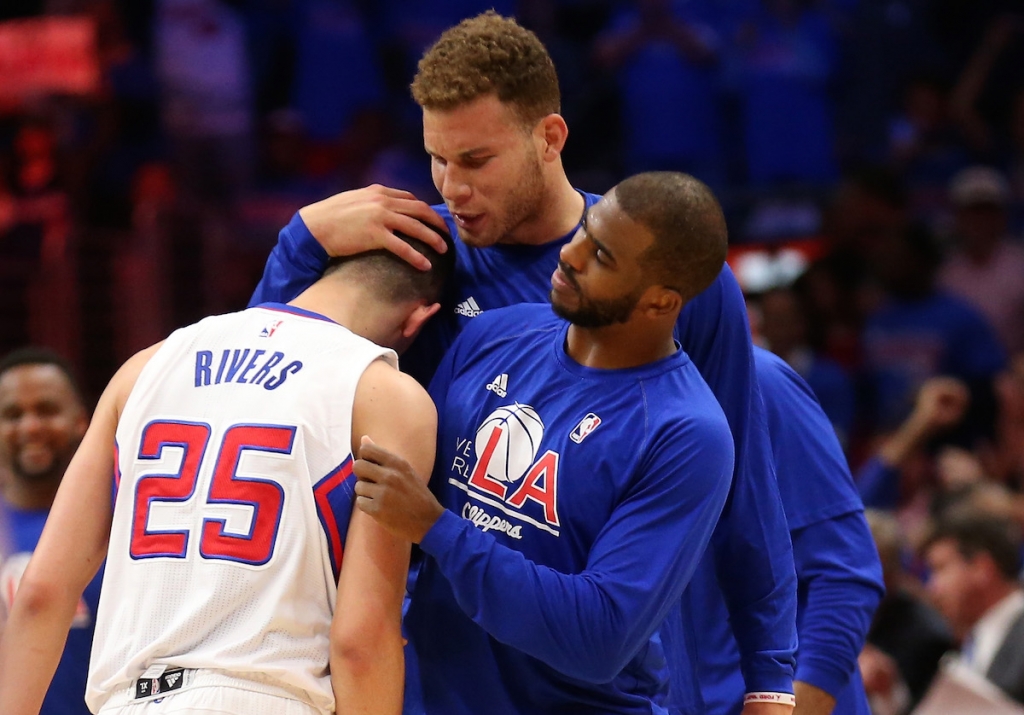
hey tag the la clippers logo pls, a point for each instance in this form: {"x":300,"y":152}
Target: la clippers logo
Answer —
{"x":587,"y":425}
{"x":507,"y":474}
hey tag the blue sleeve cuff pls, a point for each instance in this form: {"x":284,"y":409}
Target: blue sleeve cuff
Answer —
{"x":307,"y":250}
{"x":439,"y":539}
{"x":822,"y":674}
{"x":777,"y":679}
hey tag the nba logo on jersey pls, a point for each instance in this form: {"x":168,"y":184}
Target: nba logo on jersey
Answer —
{"x":587,"y":425}
{"x":269,"y":328}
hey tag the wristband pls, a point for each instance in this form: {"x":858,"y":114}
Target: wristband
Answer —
{"x":779,"y":698}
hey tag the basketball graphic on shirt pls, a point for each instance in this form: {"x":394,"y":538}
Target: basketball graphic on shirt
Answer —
{"x":512,"y":434}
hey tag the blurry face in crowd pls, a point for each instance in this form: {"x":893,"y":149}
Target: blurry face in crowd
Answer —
{"x":782,"y":321}
{"x":981,"y":225}
{"x":599,"y":278}
{"x":861,"y":221}
{"x":41,"y":421}
{"x":487,"y":168}
{"x":956,"y":584}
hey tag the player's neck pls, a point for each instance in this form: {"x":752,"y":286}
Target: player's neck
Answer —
{"x":619,"y":346}
{"x":563,"y":209}
{"x":352,"y":306}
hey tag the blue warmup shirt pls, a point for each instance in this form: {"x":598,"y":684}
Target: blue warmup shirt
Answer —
{"x":839,"y":574}
{"x":579,"y":503}
{"x":66,"y":695}
{"x":754,"y":558}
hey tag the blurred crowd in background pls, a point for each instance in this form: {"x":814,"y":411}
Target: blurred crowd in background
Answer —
{"x":869,"y":155}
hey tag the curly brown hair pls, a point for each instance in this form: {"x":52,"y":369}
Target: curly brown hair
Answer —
{"x":488,"y":54}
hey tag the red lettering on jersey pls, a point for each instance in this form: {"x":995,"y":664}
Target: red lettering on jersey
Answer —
{"x":541,"y":485}
{"x":479,"y":478}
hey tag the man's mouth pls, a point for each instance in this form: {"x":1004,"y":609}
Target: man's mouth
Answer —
{"x":35,"y":457}
{"x":562,"y":282}
{"x":467,"y":220}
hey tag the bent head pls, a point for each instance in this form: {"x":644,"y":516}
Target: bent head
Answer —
{"x":650,"y":245}
{"x":490,"y":101}
{"x":42,"y":415}
{"x":412,"y":295}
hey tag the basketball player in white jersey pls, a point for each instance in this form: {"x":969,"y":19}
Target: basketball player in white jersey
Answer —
{"x":229,"y":449}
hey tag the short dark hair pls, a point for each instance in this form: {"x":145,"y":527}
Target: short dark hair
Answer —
{"x":395,"y":279}
{"x":34,"y":355}
{"x":974,"y":532}
{"x":489,"y":54}
{"x":690,"y":235}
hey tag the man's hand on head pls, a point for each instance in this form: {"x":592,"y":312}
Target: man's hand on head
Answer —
{"x":393,"y":494}
{"x":366,"y":219}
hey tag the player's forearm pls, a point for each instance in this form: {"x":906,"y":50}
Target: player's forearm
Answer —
{"x":369,"y":678}
{"x":902,"y":443}
{"x":811,"y":700}
{"x":587,"y":625}
{"x":31,"y":648}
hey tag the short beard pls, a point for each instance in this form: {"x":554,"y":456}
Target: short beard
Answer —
{"x":53,"y":473}
{"x":594,"y":314}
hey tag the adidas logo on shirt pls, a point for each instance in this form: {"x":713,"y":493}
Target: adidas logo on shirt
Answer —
{"x":468,"y":308}
{"x":499,"y":385}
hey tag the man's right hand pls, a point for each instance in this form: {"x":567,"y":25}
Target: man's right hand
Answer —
{"x":941,"y":403}
{"x":366,"y":219}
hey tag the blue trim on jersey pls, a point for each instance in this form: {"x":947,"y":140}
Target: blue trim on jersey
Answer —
{"x":285,"y":308}
{"x":334,"y":495}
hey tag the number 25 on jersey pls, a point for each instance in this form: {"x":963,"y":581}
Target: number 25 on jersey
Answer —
{"x":227,"y":487}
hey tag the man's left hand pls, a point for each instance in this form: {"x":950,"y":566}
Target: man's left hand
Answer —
{"x":393,"y":494}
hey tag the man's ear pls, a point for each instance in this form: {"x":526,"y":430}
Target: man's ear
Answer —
{"x":420,"y":315}
{"x":658,"y":301}
{"x":552,"y":132}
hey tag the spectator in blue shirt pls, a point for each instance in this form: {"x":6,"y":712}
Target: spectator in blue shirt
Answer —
{"x":42,"y":420}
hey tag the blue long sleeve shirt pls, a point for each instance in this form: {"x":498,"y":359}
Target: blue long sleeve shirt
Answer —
{"x":579,"y":502}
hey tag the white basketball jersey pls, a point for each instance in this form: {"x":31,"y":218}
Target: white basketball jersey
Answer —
{"x":234,"y":490}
